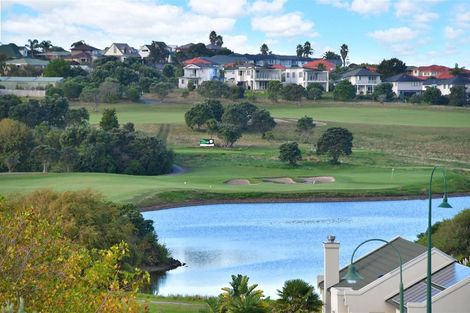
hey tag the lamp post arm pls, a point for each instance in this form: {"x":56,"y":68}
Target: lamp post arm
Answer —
{"x":402,"y":305}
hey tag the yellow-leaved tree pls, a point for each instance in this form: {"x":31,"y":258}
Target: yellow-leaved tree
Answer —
{"x":53,"y":274}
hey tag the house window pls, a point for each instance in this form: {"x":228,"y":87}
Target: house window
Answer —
{"x":240,"y":73}
{"x":300,"y":74}
{"x":182,"y":81}
{"x":293,"y":75}
{"x":287,"y":75}
{"x":372,"y":78}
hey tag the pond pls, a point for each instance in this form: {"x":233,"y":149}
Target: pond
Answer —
{"x":274,"y":242}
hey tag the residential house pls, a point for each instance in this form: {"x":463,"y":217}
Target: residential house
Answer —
{"x":364,"y":79}
{"x":445,"y":85}
{"x":27,"y":86}
{"x":84,"y":53}
{"x":184,"y":47}
{"x":404,"y":85}
{"x":304,"y":76}
{"x":144,"y":51}
{"x":198,"y":70}
{"x":378,"y":291}
{"x":425,"y":72}
{"x":254,"y":77}
{"x":122,"y":51}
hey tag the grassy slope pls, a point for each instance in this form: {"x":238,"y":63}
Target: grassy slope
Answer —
{"x":425,"y":136}
{"x":177,"y":304}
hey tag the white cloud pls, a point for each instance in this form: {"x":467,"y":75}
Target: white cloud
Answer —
{"x":366,"y":7}
{"x":463,"y":16}
{"x":452,"y":33}
{"x":394,"y":35}
{"x":370,"y":6}
{"x":286,"y":25}
{"x":264,"y":7}
{"x":232,"y":8}
{"x":68,"y":21}
{"x":336,"y":3}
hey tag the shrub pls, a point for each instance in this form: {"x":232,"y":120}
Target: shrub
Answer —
{"x":344,"y":91}
{"x":290,"y":152}
{"x":293,"y":92}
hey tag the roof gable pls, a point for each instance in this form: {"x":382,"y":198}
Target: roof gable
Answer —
{"x":329,"y":66}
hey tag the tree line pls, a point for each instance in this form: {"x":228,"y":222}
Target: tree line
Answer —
{"x":47,"y":134}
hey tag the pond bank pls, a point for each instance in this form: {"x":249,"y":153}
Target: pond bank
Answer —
{"x":323,"y":198}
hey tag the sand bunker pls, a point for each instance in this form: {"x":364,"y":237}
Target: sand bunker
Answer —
{"x":318,"y":180}
{"x":238,"y":182}
{"x":280,"y":180}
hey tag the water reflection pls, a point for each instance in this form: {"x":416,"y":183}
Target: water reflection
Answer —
{"x":276,"y":241}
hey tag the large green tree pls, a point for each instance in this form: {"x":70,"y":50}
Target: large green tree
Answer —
{"x":383,"y":92}
{"x":290,"y":152}
{"x":305,"y":126}
{"x":262,"y":121}
{"x":297,"y":296}
{"x":229,"y":133}
{"x":335,"y":142}
{"x":264,"y":49}
{"x":391,"y":67}
{"x":458,"y":96}
{"x":452,"y":235}
{"x":57,"y":68}
{"x":109,"y":119}
{"x":307,"y":49}
{"x":46,"y":155}
{"x":15,"y":143}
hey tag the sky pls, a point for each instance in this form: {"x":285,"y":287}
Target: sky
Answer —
{"x":419,"y":32}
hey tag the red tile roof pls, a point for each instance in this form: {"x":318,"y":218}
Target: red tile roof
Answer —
{"x":278,"y":67}
{"x":434,"y":68}
{"x":197,"y":61}
{"x":329,"y":66}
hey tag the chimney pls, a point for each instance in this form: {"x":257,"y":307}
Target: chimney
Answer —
{"x":330,"y":268}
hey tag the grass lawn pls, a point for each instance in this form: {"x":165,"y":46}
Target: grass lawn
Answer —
{"x":177,"y":304}
{"x":407,"y":138}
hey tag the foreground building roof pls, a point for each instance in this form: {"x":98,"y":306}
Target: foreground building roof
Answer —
{"x":380,"y":261}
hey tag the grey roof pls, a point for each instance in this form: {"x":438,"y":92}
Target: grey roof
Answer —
{"x":441,"y":280}
{"x":403,"y":77}
{"x":213,"y":47}
{"x":84,"y":47}
{"x":31,"y":79}
{"x":225,"y":59}
{"x":28,"y":61}
{"x":10,"y":51}
{"x":380,"y":262}
{"x":362,"y":71}
{"x":459,"y":80}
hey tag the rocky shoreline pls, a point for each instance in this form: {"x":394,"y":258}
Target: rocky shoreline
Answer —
{"x":171,"y":265}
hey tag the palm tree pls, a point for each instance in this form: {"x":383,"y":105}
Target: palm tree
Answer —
{"x":33,"y":44}
{"x":212,"y":37}
{"x":297,"y":296}
{"x":344,"y":53}
{"x":330,"y":55}
{"x":457,"y":70}
{"x":307,"y":49}
{"x":299,"y":50}
{"x":45,"y":45}
{"x":242,"y":298}
{"x":264,"y":49}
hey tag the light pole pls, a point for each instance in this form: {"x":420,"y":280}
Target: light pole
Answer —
{"x":444,"y":204}
{"x":353,"y":276}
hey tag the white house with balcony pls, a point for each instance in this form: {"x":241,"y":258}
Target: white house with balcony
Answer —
{"x":404,"y":85}
{"x":378,"y":291}
{"x":198,"y":73}
{"x":305,"y":76}
{"x":364,"y":80}
{"x":253,"y":77}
